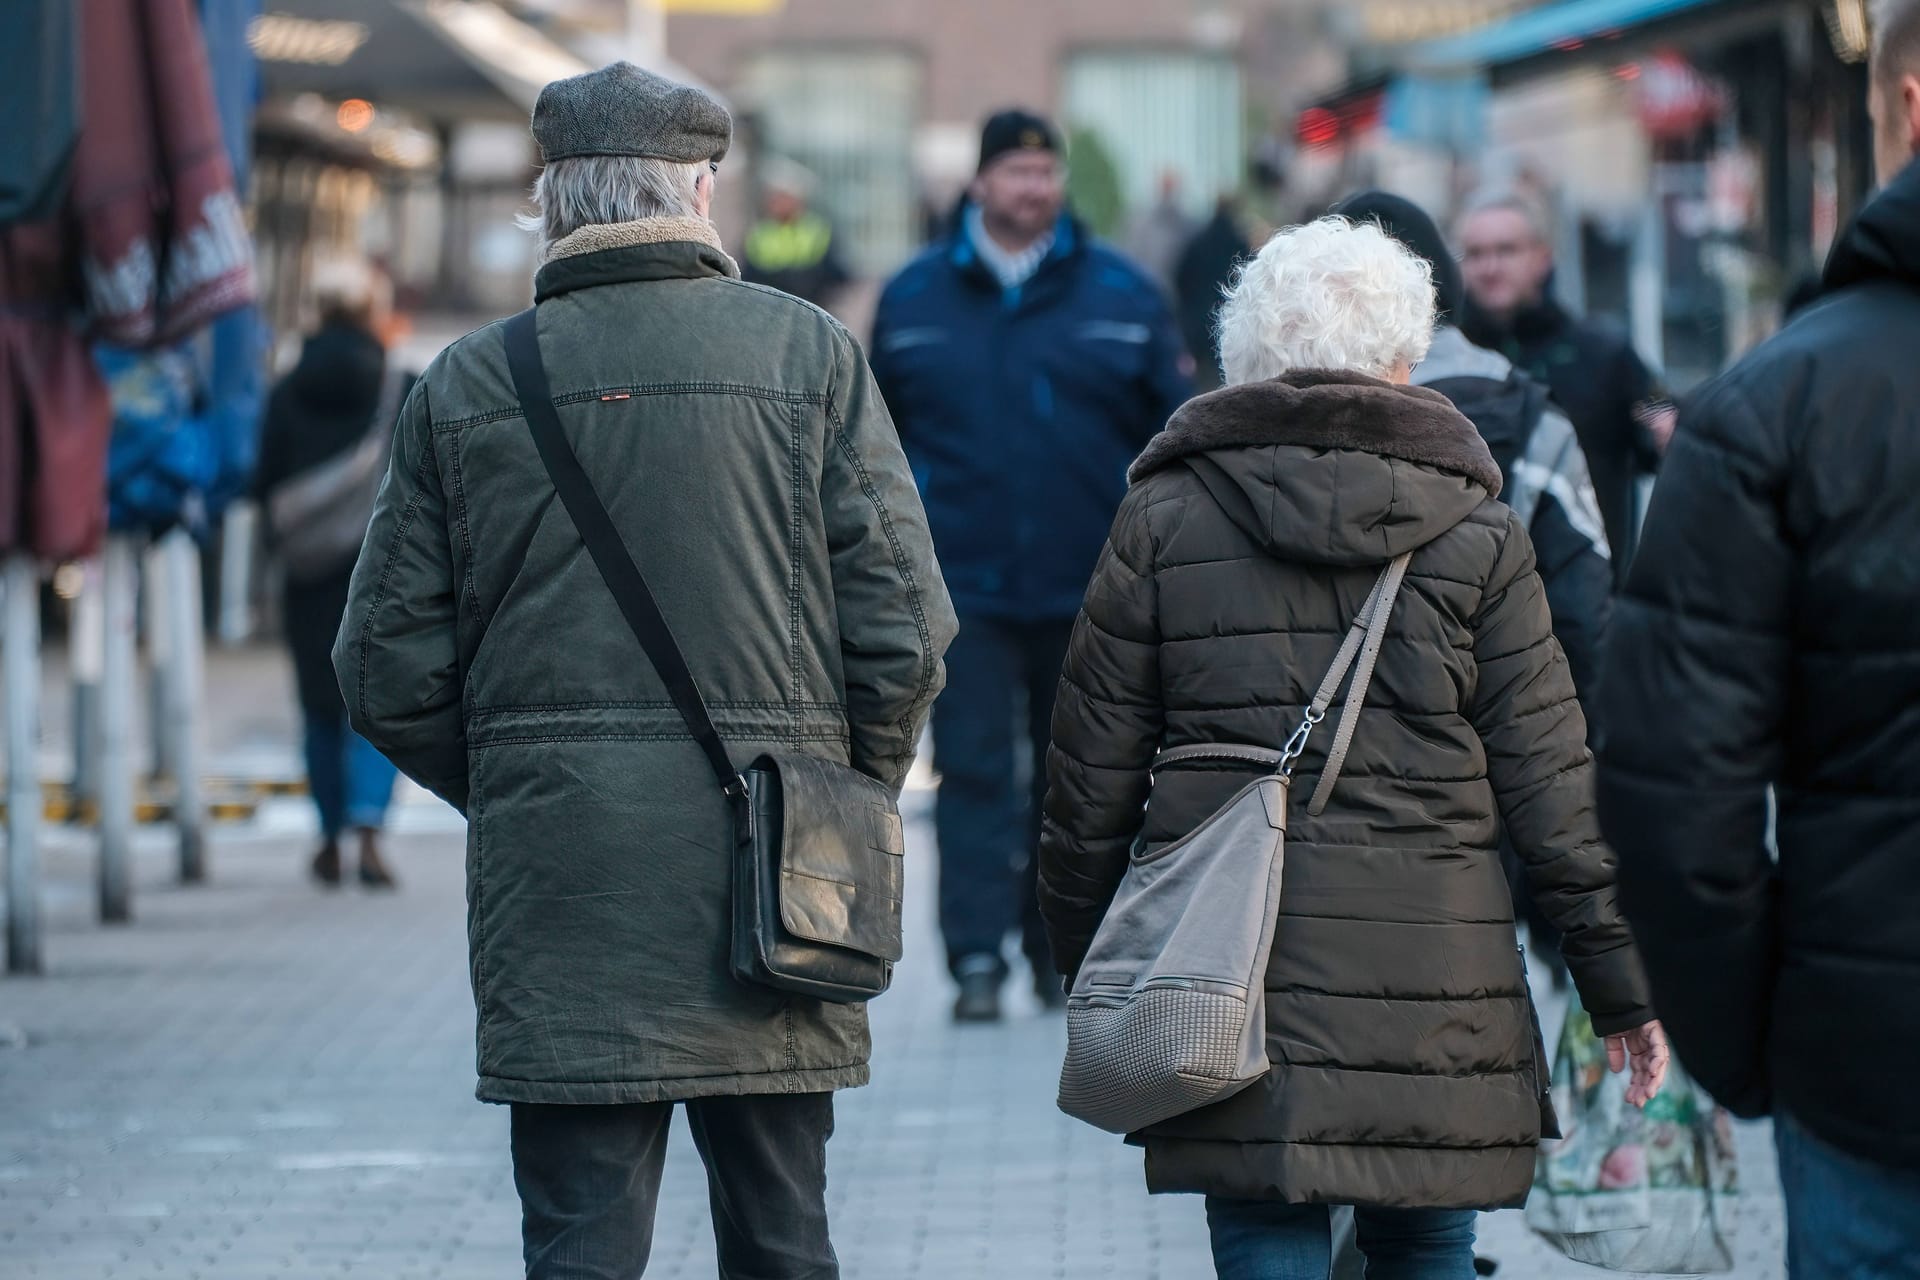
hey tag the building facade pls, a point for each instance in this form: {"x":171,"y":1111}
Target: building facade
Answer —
{"x":883,"y":102}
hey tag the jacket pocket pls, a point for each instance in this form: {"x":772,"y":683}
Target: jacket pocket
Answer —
{"x":1541,"y":1069}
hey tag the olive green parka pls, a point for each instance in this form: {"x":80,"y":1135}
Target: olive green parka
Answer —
{"x":736,"y":438}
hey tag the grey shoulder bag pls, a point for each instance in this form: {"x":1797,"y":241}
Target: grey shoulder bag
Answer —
{"x":319,"y":518}
{"x":818,"y":861}
{"x":1168,"y":1012}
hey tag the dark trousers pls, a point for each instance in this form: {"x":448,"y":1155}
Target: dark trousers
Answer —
{"x":991,"y":728}
{"x":589,"y":1183}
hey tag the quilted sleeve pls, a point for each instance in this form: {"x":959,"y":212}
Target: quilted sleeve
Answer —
{"x":1697,"y":683}
{"x":1107,"y":725}
{"x":1526,"y":714}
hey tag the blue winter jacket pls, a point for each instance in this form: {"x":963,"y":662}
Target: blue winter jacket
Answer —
{"x":1021,"y":409}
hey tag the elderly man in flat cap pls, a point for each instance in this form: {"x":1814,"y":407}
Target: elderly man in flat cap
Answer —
{"x":746,"y":462}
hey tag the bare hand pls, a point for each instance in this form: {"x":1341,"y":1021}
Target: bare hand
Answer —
{"x":1658,"y":419}
{"x":1645,"y":1049}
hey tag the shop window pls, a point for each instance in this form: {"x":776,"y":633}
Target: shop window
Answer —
{"x":1149,"y":113}
{"x":846,"y":116}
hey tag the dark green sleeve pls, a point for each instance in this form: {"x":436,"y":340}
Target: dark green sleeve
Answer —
{"x":895,"y":618}
{"x":396,"y":655}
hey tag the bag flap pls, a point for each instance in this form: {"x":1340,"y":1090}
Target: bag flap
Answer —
{"x":843,"y":863}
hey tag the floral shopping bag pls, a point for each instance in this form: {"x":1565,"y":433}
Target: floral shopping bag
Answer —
{"x":1632,"y":1190}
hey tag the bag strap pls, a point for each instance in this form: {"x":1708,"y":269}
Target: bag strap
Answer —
{"x":609,"y":553}
{"x":1264,"y":756}
{"x":1362,"y":645}
{"x":1363,"y":640}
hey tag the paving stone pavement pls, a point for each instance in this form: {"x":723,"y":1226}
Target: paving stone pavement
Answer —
{"x":258,"y":1080}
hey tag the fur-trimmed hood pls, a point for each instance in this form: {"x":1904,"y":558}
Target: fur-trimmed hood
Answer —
{"x":1329,"y":466}
{"x":1327,"y":409}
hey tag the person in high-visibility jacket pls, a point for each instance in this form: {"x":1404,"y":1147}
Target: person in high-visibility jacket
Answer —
{"x":791,"y":247}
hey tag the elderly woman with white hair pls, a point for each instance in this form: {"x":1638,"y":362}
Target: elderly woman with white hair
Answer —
{"x":1408,"y":1075}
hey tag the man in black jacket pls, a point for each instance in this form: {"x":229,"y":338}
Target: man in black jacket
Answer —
{"x":1769,"y":640}
{"x":1613,"y":399}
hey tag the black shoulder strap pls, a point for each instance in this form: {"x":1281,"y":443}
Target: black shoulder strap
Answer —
{"x":610,"y":555}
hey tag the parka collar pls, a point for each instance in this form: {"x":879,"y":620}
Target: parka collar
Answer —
{"x":1069,"y":241}
{"x":1327,"y":409}
{"x":622,"y":252}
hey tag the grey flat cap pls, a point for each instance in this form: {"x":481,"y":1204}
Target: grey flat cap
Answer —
{"x":623,"y":110}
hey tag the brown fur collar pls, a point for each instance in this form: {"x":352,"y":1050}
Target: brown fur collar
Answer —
{"x":621,"y":235}
{"x":1327,"y":409}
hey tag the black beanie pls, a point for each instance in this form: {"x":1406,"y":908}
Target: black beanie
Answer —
{"x":1015,"y":130}
{"x":1408,"y":223}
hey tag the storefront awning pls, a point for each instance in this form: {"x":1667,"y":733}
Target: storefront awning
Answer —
{"x":444,"y":60}
{"x":1564,"y":27}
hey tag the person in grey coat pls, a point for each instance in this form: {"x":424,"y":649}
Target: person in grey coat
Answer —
{"x":737,"y":441}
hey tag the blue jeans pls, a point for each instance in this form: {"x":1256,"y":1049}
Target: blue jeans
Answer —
{"x":1847,"y":1218}
{"x":352,"y":783}
{"x":1265,"y":1240}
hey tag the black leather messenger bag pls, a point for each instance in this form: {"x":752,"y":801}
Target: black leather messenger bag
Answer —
{"x":817,"y":865}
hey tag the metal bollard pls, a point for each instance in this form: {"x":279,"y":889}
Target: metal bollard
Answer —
{"x":236,"y":573}
{"x":153,"y":613}
{"x":89,"y":648}
{"x":22,"y":662}
{"x":118,"y":584}
{"x":186,"y":653}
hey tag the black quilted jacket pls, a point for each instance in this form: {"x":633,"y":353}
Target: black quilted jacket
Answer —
{"x":1770,"y":634}
{"x":1406,"y":1070}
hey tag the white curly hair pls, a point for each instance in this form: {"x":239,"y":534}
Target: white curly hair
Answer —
{"x":1329,"y":294}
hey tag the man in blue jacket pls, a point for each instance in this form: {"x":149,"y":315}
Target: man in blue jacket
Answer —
{"x":1025,"y":366}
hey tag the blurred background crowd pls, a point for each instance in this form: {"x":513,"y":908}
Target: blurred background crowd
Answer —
{"x":1697,"y":158}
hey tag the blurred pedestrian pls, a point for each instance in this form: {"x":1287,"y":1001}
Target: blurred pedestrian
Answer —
{"x":1409,"y":1078}
{"x":1026,"y":365}
{"x":1543,"y":470}
{"x":1763,"y":689}
{"x":324,"y":443}
{"x":741,"y":453}
{"x":1158,"y":234}
{"x":1615,"y":402}
{"x":1543,"y":479}
{"x":792,"y":246}
{"x":1205,"y":270}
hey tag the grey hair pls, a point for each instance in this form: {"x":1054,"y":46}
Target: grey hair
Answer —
{"x":1512,"y":200}
{"x":585,"y":191}
{"x":1331,"y":294}
{"x":1896,"y":39}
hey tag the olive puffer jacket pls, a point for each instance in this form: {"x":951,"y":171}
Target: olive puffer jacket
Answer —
{"x":741,"y":449}
{"x":1408,"y":1070}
